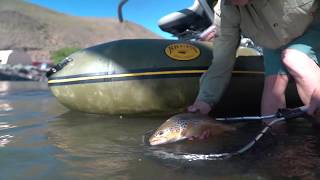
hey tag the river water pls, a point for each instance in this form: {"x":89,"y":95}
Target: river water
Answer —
{"x":41,"y":139}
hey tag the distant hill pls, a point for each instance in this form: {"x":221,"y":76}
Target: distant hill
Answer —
{"x":38,"y":30}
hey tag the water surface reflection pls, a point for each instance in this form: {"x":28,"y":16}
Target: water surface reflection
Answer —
{"x":102,"y":146}
{"x":40,"y":139}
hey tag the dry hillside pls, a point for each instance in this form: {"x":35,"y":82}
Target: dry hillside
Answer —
{"x":38,"y":30}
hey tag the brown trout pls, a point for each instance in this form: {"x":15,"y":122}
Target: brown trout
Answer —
{"x":186,"y":125}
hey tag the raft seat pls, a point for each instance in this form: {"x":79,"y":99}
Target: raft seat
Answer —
{"x":192,"y":18}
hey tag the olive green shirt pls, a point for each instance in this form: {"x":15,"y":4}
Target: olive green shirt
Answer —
{"x":269,"y":23}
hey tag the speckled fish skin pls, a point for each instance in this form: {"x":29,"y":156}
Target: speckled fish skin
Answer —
{"x":186,"y":125}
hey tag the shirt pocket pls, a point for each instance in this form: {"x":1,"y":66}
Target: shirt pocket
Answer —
{"x":299,"y":15}
{"x":306,"y":6}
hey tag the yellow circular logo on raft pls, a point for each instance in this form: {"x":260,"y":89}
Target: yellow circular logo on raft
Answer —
{"x":182,"y":51}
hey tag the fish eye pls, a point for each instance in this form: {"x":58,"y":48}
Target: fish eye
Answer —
{"x":160,"y":133}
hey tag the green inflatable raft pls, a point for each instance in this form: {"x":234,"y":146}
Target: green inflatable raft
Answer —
{"x":148,"y":76}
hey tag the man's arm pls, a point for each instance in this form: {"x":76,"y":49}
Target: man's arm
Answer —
{"x":214,"y":82}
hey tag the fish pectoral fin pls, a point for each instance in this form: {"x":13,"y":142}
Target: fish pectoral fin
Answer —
{"x":186,"y":130}
{"x":206,"y":129}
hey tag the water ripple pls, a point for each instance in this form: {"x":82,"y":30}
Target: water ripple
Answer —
{"x":5,"y":125}
{"x":5,"y":107}
{"x":5,"y":139}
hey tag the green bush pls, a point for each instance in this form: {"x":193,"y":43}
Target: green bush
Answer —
{"x":62,"y":53}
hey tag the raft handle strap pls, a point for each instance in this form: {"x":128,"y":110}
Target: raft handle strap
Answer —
{"x":59,"y":66}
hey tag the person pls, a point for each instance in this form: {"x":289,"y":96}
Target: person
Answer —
{"x":289,"y":33}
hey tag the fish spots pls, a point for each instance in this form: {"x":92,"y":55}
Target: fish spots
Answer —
{"x":182,"y":126}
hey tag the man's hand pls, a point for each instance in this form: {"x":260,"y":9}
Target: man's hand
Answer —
{"x":200,"y":106}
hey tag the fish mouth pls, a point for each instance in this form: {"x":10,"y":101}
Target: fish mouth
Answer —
{"x":155,"y":142}
{"x":159,"y":141}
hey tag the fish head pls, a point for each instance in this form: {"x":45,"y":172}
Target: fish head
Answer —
{"x":170,"y":131}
